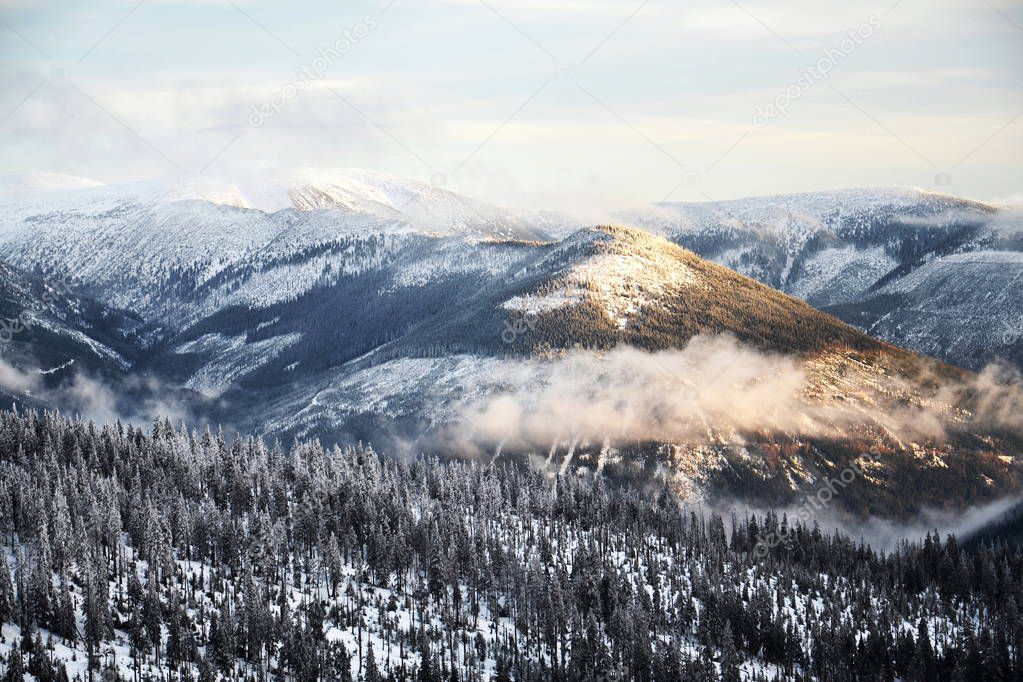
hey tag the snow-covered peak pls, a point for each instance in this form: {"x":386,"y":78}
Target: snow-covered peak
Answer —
{"x":622,"y":270}
{"x":428,"y":207}
{"x":422,"y":205}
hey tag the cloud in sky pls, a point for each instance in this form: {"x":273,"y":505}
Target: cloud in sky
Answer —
{"x":645,"y":92}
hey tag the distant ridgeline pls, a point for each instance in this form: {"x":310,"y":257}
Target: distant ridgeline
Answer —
{"x":171,"y":554}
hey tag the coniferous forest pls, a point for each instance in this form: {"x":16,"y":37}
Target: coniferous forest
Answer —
{"x":165,"y":554}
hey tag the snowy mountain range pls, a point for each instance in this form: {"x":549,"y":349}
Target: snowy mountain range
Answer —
{"x":353,"y":306}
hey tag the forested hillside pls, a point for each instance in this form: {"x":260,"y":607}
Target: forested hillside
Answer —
{"x":171,"y":554}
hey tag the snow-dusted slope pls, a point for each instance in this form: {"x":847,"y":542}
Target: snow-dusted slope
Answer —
{"x":843,"y":250}
{"x":44,"y":324}
{"x":127,"y":245}
{"x":770,"y":237}
{"x":967,"y":306}
{"x":151,"y":246}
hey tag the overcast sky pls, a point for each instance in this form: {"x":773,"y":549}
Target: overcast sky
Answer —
{"x":560,"y":103}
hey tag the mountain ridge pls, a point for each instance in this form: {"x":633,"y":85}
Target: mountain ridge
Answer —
{"x":345,"y":326}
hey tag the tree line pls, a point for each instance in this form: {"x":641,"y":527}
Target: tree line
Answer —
{"x":163,"y":553}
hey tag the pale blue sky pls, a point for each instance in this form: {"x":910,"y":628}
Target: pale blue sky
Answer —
{"x":470,"y":90}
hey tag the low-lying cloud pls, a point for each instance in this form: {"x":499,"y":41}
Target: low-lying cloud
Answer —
{"x":714,"y":388}
{"x":884,"y":533}
{"x":94,"y":399}
{"x":630,"y":394}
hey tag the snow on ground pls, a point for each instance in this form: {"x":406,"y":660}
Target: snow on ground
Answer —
{"x":837,"y":274}
{"x":1006,"y":265}
{"x":381,"y":607}
{"x":535,"y":304}
{"x":437,"y":385}
{"x":234,"y":357}
{"x":452,"y":257}
{"x":620,"y":278}
{"x":96,"y":347}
